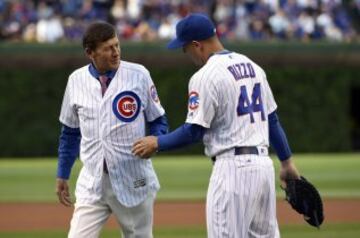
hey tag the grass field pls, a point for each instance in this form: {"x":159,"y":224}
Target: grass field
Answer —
{"x":181,"y":178}
{"x":298,"y":231}
{"x":186,"y":178}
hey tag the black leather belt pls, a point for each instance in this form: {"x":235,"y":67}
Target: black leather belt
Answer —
{"x":243,"y":150}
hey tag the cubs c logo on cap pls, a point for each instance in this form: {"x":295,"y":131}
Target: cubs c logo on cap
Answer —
{"x":193,"y":100}
{"x":126,"y":106}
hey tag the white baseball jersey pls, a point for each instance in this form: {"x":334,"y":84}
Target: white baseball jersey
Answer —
{"x":109,"y":126}
{"x":231,"y":97}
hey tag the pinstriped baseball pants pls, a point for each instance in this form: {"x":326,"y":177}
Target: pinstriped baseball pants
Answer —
{"x":241,"y":199}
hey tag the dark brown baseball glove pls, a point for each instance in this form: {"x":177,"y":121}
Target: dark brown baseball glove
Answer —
{"x":306,"y":200}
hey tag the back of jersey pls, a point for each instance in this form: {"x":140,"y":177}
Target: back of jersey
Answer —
{"x":231,"y":97}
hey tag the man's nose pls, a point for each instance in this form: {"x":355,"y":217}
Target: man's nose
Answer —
{"x":116,"y":51}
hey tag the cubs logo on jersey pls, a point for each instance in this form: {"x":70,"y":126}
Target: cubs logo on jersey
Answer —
{"x":126,"y":106}
{"x":193,"y":100}
{"x":154,"y":94}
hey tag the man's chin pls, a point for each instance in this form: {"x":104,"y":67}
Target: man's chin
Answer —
{"x":115,"y":66}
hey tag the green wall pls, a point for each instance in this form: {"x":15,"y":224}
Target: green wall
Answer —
{"x":311,"y":84}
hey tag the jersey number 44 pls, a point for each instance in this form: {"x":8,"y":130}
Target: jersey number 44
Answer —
{"x":245,"y":106}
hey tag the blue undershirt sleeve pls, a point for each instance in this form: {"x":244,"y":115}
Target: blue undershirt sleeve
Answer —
{"x":159,"y":126}
{"x":278,"y":137}
{"x":69,"y":147}
{"x":184,"y":135}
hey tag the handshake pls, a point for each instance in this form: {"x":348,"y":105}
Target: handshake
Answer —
{"x":145,"y":147}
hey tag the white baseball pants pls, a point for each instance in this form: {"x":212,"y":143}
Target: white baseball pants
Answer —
{"x":135,"y":222}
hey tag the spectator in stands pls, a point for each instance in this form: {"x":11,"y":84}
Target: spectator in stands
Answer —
{"x":306,"y":25}
{"x":280,"y":24}
{"x":326,"y":24}
{"x":49,"y":29}
{"x":152,"y":19}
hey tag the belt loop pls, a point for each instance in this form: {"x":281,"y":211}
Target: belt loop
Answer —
{"x":263,"y":151}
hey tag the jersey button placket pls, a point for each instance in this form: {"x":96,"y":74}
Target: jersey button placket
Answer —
{"x":103,"y":125}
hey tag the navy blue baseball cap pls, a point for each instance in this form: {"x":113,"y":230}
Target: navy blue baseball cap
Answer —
{"x":196,"y":27}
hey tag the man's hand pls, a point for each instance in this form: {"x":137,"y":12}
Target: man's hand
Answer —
{"x":62,"y":191}
{"x":145,"y":147}
{"x":288,"y":171}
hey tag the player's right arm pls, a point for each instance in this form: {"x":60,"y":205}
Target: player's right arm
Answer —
{"x":69,"y":143}
{"x":62,"y":191}
{"x":69,"y":146}
{"x":202,"y":107}
{"x":182,"y":136}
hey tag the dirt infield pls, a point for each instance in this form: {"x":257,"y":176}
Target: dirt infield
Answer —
{"x":40,"y":216}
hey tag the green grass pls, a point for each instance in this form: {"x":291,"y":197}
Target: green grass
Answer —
{"x":327,"y":231}
{"x":293,"y":231}
{"x":182,"y":177}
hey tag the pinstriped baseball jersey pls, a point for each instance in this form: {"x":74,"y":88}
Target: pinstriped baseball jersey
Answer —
{"x":109,"y":126}
{"x":231,"y":97}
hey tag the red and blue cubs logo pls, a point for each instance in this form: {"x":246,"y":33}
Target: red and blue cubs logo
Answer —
{"x":193,"y":100}
{"x":126,"y":106}
{"x":154,"y":94}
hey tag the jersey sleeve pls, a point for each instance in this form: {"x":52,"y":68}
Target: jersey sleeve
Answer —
{"x":202,"y":101}
{"x":68,"y":114}
{"x":153,"y":108}
{"x":269,"y":97}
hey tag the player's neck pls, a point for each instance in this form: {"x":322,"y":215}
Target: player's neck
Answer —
{"x":210,"y":47}
{"x":215,"y":50}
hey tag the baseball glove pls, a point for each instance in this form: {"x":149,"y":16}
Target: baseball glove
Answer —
{"x":305,"y":199}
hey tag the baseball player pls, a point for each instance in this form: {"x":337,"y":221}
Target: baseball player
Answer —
{"x":106,"y":107}
{"x":232,"y":109}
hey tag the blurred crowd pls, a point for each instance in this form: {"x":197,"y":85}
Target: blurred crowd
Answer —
{"x":150,"y":20}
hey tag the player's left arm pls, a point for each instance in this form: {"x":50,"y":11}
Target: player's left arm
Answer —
{"x":278,"y":137}
{"x":159,"y":126}
{"x":155,"y":114}
{"x":281,"y":145}
{"x":277,"y":134}
{"x":152,"y":106}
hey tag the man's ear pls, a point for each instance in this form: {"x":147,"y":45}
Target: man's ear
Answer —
{"x":197,"y":44}
{"x":88,"y":52}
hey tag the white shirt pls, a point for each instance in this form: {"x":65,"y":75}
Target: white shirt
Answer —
{"x":221,"y":96}
{"x":109,"y":126}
